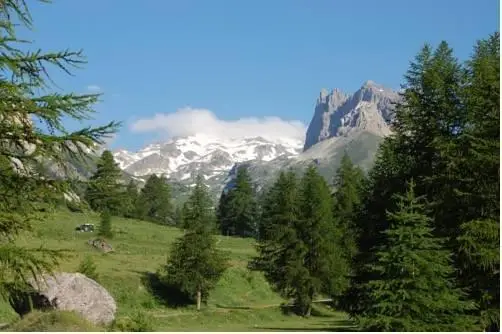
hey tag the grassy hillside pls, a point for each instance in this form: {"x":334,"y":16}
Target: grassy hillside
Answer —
{"x":242,"y":301}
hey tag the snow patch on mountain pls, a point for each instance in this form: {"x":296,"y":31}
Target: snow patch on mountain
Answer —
{"x":183,"y":158}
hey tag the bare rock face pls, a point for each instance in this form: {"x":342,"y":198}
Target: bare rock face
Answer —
{"x":71,"y":292}
{"x":338,"y":115}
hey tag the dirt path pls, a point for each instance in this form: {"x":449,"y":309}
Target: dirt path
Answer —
{"x":223,"y":309}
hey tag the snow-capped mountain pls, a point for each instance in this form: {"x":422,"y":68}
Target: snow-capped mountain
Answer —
{"x":353,"y":123}
{"x":181,"y":159}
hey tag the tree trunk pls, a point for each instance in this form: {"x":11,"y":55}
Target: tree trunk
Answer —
{"x":309,"y":310}
{"x":199,"y":297}
{"x":309,"y":305}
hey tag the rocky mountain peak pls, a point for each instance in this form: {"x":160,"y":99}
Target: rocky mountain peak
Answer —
{"x":371,"y":83}
{"x":334,"y":98}
{"x":337,"y":114}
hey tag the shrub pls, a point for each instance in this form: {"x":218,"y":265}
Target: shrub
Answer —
{"x":88,"y":268}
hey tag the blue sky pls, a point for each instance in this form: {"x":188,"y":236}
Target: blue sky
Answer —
{"x":243,"y":59}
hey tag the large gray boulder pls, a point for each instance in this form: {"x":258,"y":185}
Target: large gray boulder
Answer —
{"x":73,"y":292}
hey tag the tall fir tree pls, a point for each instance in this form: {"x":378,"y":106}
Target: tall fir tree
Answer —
{"x":198,"y":209}
{"x":26,"y":100}
{"x":105,"y":191}
{"x":238,"y":209}
{"x":178,"y":216}
{"x":348,"y":183}
{"x":105,"y":225}
{"x":195,"y":265}
{"x":427,"y":117}
{"x":475,"y":194}
{"x":129,"y":204}
{"x":223,"y":214}
{"x":278,"y":241}
{"x":446,"y":127}
{"x":413,"y":284}
{"x":154,"y":202}
{"x":299,"y":250}
{"x":326,"y":267}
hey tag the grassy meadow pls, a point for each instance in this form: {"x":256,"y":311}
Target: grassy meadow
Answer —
{"x":242,"y":300}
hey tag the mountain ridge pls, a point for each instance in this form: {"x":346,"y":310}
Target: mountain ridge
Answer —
{"x":337,"y":113}
{"x":353,"y":123}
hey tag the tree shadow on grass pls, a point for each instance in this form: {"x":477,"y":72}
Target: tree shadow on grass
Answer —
{"x":335,"y":326}
{"x":291,"y":309}
{"x":233,"y":307}
{"x":165,"y":294}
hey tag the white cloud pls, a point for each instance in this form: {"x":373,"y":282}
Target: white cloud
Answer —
{"x":189,"y":121}
{"x":93,"y":88}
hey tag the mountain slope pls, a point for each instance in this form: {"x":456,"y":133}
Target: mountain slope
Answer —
{"x":361,"y":146}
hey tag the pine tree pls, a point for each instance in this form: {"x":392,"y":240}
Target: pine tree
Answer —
{"x":223,"y":214}
{"x":320,"y":237}
{"x":26,"y":100}
{"x":154,"y":202}
{"x":299,"y":250}
{"x":413,"y":287}
{"x":238,"y":209}
{"x":464,"y":198}
{"x":348,"y":183}
{"x":198,"y":209}
{"x":178,"y":216}
{"x":130,"y":200}
{"x":105,"y":192}
{"x":195,"y":265}
{"x":105,"y":225}
{"x":476,"y":193}
{"x":278,"y":243}
{"x":429,"y":118}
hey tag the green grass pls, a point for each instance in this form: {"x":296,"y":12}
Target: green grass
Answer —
{"x":242,"y":300}
{"x":52,"y":322}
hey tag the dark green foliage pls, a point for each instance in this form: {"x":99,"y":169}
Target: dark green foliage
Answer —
{"x":476,"y":163}
{"x":178,"y":216}
{"x":130,"y":200}
{"x":238,"y":209}
{"x":299,"y":250}
{"x":195,"y":265}
{"x":138,"y":322}
{"x":88,"y":268}
{"x":154,"y":201}
{"x":223,"y":214}
{"x":105,"y":225}
{"x":198,"y":210}
{"x":105,"y":192}
{"x":320,"y":238}
{"x":349,"y":182}
{"x":31,"y":135}
{"x":446,"y":138}
{"x":277,"y":258}
{"x":412,"y":286}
